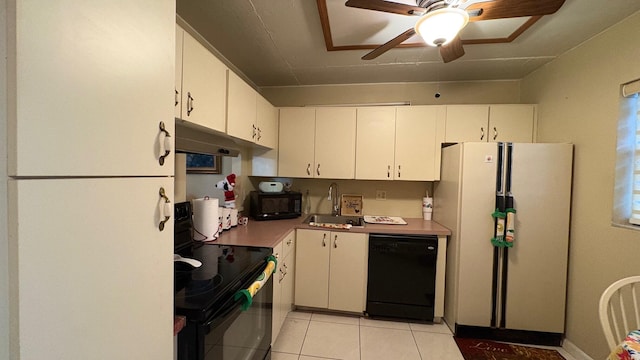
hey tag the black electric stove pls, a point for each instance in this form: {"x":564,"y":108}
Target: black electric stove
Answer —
{"x":217,"y":327}
{"x":223,"y":272}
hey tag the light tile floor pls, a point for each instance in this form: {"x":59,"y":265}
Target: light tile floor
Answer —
{"x":316,"y":336}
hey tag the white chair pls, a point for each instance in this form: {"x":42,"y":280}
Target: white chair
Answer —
{"x":619,"y":309}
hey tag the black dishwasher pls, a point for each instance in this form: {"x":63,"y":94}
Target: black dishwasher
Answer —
{"x":402,"y":273}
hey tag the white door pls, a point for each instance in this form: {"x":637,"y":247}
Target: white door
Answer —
{"x":92,"y":84}
{"x":241,"y":109}
{"x":467,"y":123}
{"x":416,"y":145}
{"x":475,"y":259}
{"x":335,"y":143}
{"x":92,"y":272}
{"x":511,"y":123}
{"x":537,"y":273}
{"x":375,"y":143}
{"x":204,"y":86}
{"x":348,"y":271}
{"x":296,"y":142}
{"x":276,"y":314}
{"x":312,"y":268}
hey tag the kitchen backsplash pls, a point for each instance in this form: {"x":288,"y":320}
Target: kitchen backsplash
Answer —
{"x":403,"y":198}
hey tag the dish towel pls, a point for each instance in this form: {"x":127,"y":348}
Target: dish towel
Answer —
{"x":247,"y":294}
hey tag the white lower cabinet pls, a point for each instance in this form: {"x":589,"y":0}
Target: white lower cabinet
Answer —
{"x":331,"y":270}
{"x":283,"y":283}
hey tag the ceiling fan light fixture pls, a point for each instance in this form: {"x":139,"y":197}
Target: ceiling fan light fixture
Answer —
{"x":439,"y":27}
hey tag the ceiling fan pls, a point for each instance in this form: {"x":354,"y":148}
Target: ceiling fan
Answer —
{"x":440,"y":21}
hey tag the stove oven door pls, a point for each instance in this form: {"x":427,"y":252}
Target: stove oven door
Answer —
{"x":237,"y":334}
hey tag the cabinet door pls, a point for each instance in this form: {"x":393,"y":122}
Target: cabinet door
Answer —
{"x":89,"y":261}
{"x":511,"y":123}
{"x":287,"y":286}
{"x":276,"y":314}
{"x":178,"y":84}
{"x":375,"y":143}
{"x":204,"y":86}
{"x":348,"y":271}
{"x":312,"y":264}
{"x":91,"y":83}
{"x":241,"y":109}
{"x":296,"y":142}
{"x":416,"y":145}
{"x":335,"y":143}
{"x":467,"y":123}
{"x":267,"y":122}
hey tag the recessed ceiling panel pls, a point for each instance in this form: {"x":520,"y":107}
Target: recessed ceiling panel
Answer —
{"x":492,"y":29}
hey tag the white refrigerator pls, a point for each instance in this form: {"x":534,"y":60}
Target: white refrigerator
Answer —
{"x":512,"y":290}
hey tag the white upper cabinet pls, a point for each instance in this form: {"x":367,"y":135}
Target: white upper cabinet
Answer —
{"x":512,"y":123}
{"x":204,"y":86}
{"x":296,"y":142}
{"x":241,"y":109}
{"x":418,"y":142}
{"x":335,"y":143}
{"x":375,"y":143}
{"x":400,"y":143}
{"x":250,"y":116}
{"x":267,"y":124}
{"x":317,"y":143}
{"x":506,"y":123}
{"x":178,"y":88}
{"x":88,"y":89}
{"x":467,"y":123}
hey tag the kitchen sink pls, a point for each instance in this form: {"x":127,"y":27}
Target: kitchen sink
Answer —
{"x":335,"y":219}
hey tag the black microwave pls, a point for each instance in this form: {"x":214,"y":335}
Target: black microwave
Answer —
{"x":273,"y":206}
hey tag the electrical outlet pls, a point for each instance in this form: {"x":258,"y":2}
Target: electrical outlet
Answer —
{"x":381,"y":195}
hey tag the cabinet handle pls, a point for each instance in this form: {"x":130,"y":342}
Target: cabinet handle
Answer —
{"x":190,"y":100}
{"x":495,"y":133}
{"x":481,"y":133}
{"x":259,"y":134}
{"x":253,"y":135}
{"x":324,"y":236}
{"x":289,"y":242}
{"x":165,"y":142}
{"x":308,"y":169}
{"x":388,"y":171}
{"x":165,"y":210}
{"x":398,"y":171}
{"x":176,"y":98}
{"x":335,"y":242}
{"x":318,"y":170}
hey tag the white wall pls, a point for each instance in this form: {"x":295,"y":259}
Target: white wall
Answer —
{"x":472,"y":92}
{"x":4,"y":244}
{"x":579,"y":102}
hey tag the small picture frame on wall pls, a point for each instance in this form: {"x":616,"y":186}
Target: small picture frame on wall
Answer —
{"x":203,"y":164}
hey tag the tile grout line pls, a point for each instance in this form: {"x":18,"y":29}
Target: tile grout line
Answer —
{"x":413,"y":336}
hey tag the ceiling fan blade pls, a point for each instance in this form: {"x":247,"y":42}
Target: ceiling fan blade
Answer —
{"x":452,"y":50}
{"x":386,"y":6}
{"x":389,"y":44}
{"x":501,"y":9}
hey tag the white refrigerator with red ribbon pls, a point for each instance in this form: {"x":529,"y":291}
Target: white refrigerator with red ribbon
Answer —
{"x":508,"y":208}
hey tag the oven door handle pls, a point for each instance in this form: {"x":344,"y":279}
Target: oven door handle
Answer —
{"x":246,"y":295}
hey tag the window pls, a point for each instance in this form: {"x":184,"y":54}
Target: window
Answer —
{"x":627,"y":186}
{"x":635,"y":192}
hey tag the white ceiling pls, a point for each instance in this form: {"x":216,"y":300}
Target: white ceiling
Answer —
{"x":280,"y":42}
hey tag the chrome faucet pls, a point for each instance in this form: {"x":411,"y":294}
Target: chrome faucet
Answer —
{"x":335,"y":205}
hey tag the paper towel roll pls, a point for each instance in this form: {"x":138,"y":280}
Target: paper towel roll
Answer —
{"x":205,"y":219}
